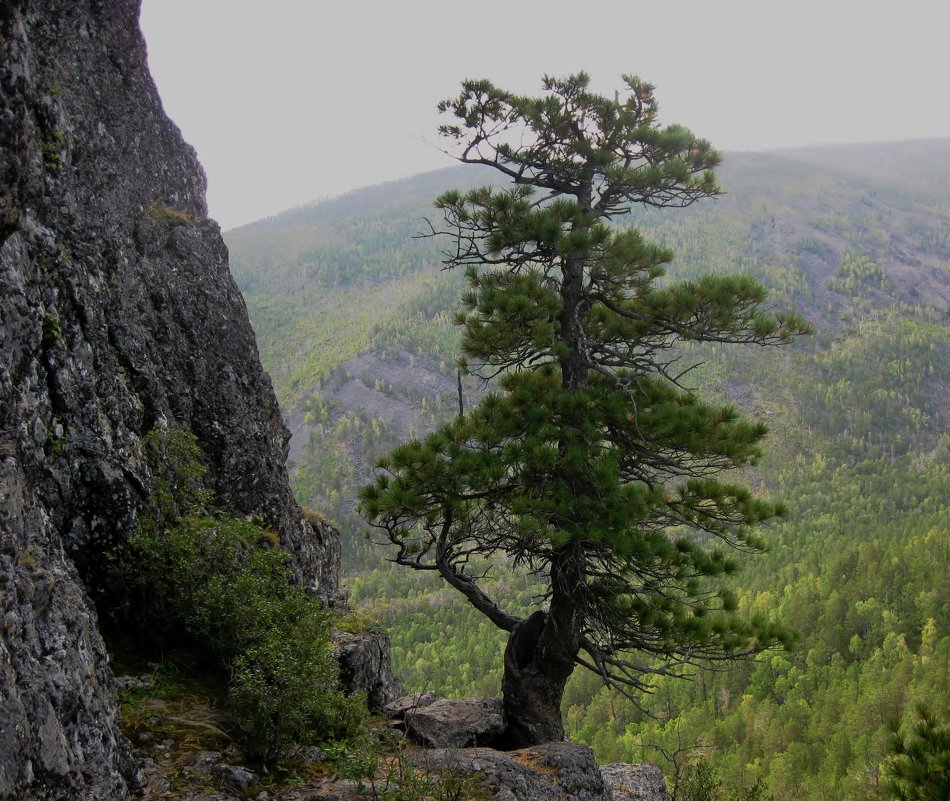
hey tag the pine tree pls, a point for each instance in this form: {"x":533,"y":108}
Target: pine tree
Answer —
{"x":592,"y":467}
{"x":919,"y":769}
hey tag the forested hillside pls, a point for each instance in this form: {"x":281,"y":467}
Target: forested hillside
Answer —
{"x":353,"y":317}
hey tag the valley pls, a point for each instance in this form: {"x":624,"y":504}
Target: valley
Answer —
{"x":354,"y":323}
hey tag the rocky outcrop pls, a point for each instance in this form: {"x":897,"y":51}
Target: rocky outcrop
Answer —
{"x":117,"y":315}
{"x":397,"y":709}
{"x":642,"y":782}
{"x":365,"y":667}
{"x":456,"y":724}
{"x":58,"y":732}
{"x":550,"y":772}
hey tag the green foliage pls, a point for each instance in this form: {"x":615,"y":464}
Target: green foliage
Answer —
{"x":57,"y":444}
{"x":383,"y":771}
{"x":698,"y":782}
{"x":355,"y":758}
{"x":402,"y":780}
{"x":52,"y":87}
{"x":438,"y":639}
{"x":218,"y":579}
{"x":52,"y":328}
{"x":592,"y":467}
{"x":920,"y":765}
{"x":177,"y":476}
{"x":356,"y":621}
{"x":862,"y":574}
{"x":52,"y":145}
{"x":218,"y":583}
{"x":878,"y":385}
{"x":856,"y":274}
{"x":858,"y":448}
{"x":338,"y":285}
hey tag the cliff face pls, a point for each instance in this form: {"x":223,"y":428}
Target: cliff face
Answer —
{"x":117,"y":314}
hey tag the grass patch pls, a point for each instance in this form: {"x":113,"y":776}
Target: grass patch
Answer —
{"x":162,"y":212}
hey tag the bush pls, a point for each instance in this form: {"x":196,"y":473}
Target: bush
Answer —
{"x":699,"y":782}
{"x":218,"y":583}
{"x":177,"y":476}
{"x":216,"y":579}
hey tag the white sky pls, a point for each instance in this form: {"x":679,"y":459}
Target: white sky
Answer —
{"x":288,"y":101}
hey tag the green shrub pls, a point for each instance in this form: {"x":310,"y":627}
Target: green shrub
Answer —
{"x":52,"y":145}
{"x":856,"y":274}
{"x":212,"y":577}
{"x":699,"y":781}
{"x":52,"y":328}
{"x":386,"y":773}
{"x":178,"y":476}
{"x":218,"y":583}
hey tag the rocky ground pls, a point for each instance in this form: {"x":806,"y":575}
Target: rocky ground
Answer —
{"x":420,"y":749}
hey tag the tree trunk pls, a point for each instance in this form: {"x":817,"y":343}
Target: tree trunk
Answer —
{"x":532,"y":687}
{"x":539,"y":658}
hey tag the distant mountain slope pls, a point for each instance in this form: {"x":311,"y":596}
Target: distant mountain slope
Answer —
{"x":919,"y":166}
{"x":789,"y":214}
{"x":825,"y":229}
{"x":353,"y":317}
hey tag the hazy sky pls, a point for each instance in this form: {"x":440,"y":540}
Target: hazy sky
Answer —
{"x":293,"y":100}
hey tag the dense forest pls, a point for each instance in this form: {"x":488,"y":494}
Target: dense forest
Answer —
{"x":354,"y":322}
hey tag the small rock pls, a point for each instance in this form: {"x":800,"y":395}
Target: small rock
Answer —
{"x":456,"y":724}
{"x":202,"y":764}
{"x":329,"y":790}
{"x":144,"y":738}
{"x":207,"y":759}
{"x":151,"y":779}
{"x":236,"y":776}
{"x":127,"y":683}
{"x":313,"y":754}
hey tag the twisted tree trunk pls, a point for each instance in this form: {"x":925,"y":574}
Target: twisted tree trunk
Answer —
{"x":539,"y":659}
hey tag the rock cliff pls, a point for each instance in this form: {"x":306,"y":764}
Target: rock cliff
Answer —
{"x":117,"y":314}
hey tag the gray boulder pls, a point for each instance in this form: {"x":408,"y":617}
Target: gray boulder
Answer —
{"x":396,"y":710}
{"x":235,"y":776}
{"x":365,"y":667}
{"x":456,"y":724}
{"x":550,"y":772}
{"x":642,"y":782}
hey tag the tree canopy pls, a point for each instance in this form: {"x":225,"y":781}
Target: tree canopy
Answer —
{"x":593,"y":466}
